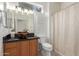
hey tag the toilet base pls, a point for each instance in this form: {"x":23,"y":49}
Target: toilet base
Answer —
{"x":45,"y":53}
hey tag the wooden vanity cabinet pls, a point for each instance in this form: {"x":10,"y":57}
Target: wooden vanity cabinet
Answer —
{"x":21,"y":48}
{"x":24,"y":48}
{"x":33,"y":47}
{"x":11,"y":49}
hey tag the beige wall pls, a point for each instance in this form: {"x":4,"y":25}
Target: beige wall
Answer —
{"x":54,"y":7}
{"x":66,"y":34}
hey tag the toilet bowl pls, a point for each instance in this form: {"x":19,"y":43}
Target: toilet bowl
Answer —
{"x":46,"y":47}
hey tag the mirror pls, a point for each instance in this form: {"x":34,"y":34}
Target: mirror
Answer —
{"x":17,"y":18}
{"x":19,"y":22}
{"x":24,"y":22}
{"x":20,"y":16}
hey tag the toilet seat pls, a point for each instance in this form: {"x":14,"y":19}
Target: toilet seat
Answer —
{"x":47,"y":46}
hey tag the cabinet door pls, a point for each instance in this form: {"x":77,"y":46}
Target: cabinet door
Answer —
{"x":24,"y":48}
{"x":33,"y":47}
{"x":11,"y":49}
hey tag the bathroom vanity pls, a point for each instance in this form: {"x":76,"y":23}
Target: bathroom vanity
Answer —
{"x":21,"y":47}
{"x":23,"y":44}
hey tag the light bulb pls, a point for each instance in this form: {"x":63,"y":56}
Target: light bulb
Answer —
{"x":1,"y":7}
{"x":30,"y":11}
{"x":22,"y":12}
{"x":25,"y":10}
{"x":19,"y":9}
{"x":16,"y":10}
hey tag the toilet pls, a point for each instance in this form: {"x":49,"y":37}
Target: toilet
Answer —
{"x":46,"y":47}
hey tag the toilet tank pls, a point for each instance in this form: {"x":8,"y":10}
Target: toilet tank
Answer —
{"x":43,"y":40}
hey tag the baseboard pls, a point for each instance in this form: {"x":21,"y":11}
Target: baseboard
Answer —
{"x":57,"y":53}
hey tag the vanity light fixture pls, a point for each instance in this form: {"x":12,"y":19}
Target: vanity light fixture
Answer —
{"x":18,"y":9}
{"x":28,"y":11}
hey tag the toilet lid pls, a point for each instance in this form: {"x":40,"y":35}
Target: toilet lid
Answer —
{"x":47,"y":45}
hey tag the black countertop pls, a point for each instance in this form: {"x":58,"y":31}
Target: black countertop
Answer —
{"x":17,"y":39}
{"x":8,"y":38}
